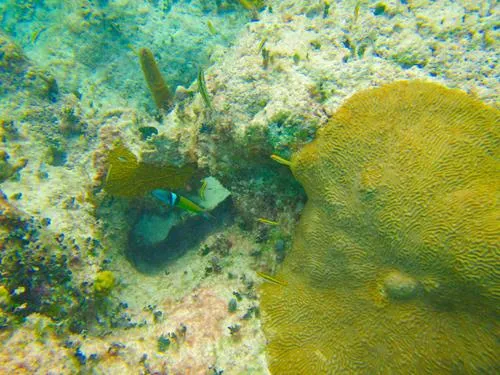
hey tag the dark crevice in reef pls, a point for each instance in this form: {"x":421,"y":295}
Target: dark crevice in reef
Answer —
{"x":151,"y":258}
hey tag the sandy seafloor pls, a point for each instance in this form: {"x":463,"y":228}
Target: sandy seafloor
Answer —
{"x":71,"y":85}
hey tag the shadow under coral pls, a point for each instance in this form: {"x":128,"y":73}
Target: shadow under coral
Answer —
{"x":151,"y":257}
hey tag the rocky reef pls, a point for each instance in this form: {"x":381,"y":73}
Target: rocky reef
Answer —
{"x":394,"y":266}
{"x":105,"y":277}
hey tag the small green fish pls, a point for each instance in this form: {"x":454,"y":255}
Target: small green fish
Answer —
{"x":280,"y":160}
{"x":36,"y":34}
{"x":202,"y":88}
{"x":267,"y":221}
{"x":211,"y":27}
{"x":202,"y":189}
{"x":271,"y":279}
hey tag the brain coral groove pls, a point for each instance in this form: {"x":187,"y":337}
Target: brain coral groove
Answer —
{"x":395,"y":263}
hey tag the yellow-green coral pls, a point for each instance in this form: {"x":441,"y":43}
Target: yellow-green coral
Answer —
{"x":395,"y":264}
{"x":252,"y":4}
{"x":127,"y":177}
{"x":104,"y":282}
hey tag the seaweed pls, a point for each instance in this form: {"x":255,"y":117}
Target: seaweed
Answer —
{"x":127,"y":177}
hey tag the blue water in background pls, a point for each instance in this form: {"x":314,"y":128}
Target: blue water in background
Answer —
{"x":95,"y":42}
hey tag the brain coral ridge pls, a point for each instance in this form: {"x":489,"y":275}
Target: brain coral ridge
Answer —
{"x":395,"y":263}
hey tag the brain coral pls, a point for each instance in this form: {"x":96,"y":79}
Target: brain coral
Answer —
{"x":395,"y":264}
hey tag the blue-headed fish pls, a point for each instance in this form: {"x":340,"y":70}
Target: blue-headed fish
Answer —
{"x":174,"y":200}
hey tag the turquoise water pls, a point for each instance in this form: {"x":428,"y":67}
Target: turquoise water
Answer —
{"x":99,"y":40}
{"x":205,"y":103}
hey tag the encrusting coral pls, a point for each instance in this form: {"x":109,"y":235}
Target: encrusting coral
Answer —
{"x":395,"y":264}
{"x":104,"y":282}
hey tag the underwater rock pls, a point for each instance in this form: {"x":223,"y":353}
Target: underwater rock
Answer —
{"x":12,"y":59}
{"x":10,"y":216}
{"x":403,"y":177}
{"x":18,"y":72}
{"x":397,"y":285}
{"x":152,"y":229}
{"x":36,"y":346}
{"x":34,"y":267}
{"x":71,"y":116}
{"x":157,"y":239}
{"x":7,"y":170}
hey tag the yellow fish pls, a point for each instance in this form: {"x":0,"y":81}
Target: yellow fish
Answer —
{"x":271,"y":279}
{"x":280,"y":160}
{"x":266,"y":221}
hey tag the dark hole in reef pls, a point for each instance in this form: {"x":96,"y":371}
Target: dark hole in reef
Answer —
{"x":58,"y":157}
{"x":152,"y":258}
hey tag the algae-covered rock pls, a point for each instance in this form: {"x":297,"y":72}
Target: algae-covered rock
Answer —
{"x":395,"y":264}
{"x":12,"y":59}
{"x":104,"y":282}
{"x":17,"y":72}
{"x":35,"y":274}
{"x":400,"y":286}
